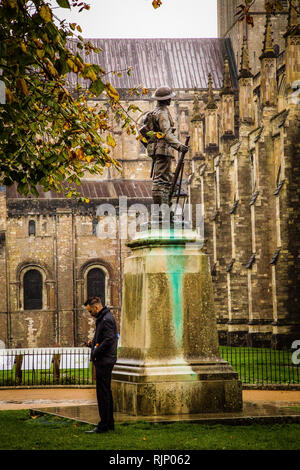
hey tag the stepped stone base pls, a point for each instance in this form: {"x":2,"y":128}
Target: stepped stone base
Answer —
{"x":169,"y":361}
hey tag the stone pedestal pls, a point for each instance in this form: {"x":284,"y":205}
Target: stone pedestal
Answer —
{"x":169,"y":359}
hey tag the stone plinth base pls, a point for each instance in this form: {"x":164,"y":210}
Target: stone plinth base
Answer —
{"x":209,"y":387}
{"x":169,"y":361}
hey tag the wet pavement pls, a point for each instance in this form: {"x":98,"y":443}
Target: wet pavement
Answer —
{"x":259,"y":406}
{"x":252,"y":412}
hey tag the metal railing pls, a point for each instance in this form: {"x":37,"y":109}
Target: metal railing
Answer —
{"x":263,"y":365}
{"x":72,"y":366}
{"x":46,"y":366}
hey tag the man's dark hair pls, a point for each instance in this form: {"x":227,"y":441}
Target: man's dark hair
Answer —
{"x":93,"y":301}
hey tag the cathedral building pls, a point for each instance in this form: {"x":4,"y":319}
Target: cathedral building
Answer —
{"x":236,"y":96}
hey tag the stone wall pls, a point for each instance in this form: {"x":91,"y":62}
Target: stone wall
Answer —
{"x":251,"y":233}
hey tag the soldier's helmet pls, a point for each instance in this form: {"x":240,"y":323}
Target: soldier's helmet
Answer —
{"x":163,"y":93}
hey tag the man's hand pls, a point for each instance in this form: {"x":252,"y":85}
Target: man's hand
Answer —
{"x":183,"y":148}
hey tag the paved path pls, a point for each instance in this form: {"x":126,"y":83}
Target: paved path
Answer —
{"x":14,"y":399}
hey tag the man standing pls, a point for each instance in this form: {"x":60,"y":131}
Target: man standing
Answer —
{"x":104,"y":356}
{"x":161,"y":144}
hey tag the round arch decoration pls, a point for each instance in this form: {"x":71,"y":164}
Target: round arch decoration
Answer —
{"x":22,"y":273}
{"x":86,"y":271}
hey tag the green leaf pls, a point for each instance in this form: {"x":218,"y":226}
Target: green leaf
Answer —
{"x":63,"y":3}
{"x":97,"y":87}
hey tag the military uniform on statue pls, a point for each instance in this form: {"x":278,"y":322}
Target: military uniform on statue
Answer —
{"x":160,"y":147}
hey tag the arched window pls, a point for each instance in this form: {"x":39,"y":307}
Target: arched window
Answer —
{"x":33,"y":290}
{"x":96,"y":283}
{"x":31,"y":227}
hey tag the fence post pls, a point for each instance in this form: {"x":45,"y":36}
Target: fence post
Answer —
{"x":56,"y":370}
{"x":19,"y":360}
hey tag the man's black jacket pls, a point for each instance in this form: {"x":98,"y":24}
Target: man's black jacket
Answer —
{"x":106,"y":337}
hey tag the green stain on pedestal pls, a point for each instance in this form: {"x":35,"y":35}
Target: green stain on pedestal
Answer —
{"x":176,"y":267}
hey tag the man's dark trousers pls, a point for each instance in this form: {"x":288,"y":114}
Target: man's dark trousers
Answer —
{"x":104,"y":395}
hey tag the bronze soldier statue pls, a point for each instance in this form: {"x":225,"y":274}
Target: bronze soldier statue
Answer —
{"x":161,"y":144}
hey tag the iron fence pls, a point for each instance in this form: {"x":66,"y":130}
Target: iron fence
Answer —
{"x":46,"y":366}
{"x":263,"y":365}
{"x":72,"y":366}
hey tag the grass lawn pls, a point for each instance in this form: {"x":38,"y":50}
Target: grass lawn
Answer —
{"x":20,"y":431}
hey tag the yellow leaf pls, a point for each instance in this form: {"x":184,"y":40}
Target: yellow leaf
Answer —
{"x":45,"y":13}
{"x":21,"y":84}
{"x":70,"y":63}
{"x":91,"y":75}
{"x":160,"y":135}
{"x":79,"y":64}
{"x":80,"y":154}
{"x":13,"y":3}
{"x":79,"y":29}
{"x":87,"y":200}
{"x":112,"y":92}
{"x":8,"y":95}
{"x":145,"y":91}
{"x":40,"y":53}
{"x":111,"y":141}
{"x":50,"y":67}
{"x":23,"y":47}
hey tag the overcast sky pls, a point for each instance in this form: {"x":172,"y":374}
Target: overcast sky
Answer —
{"x":138,"y":19}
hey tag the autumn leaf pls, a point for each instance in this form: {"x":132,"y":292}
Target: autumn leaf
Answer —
{"x":111,"y":141}
{"x":112,"y":92}
{"x":21,"y":84}
{"x":46,"y":13}
{"x":8,"y":95}
{"x":90,"y":73}
{"x":160,"y":135}
{"x":80,"y":154}
{"x":23,"y":47}
{"x":156,"y":3}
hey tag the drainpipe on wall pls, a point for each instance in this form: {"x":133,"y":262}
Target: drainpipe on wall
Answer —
{"x":7,"y":296}
{"x":120,"y":261}
{"x":56,"y":276}
{"x":75,"y":307}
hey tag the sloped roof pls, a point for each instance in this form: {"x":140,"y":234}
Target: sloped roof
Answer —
{"x":96,"y":189}
{"x":179,"y":63}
